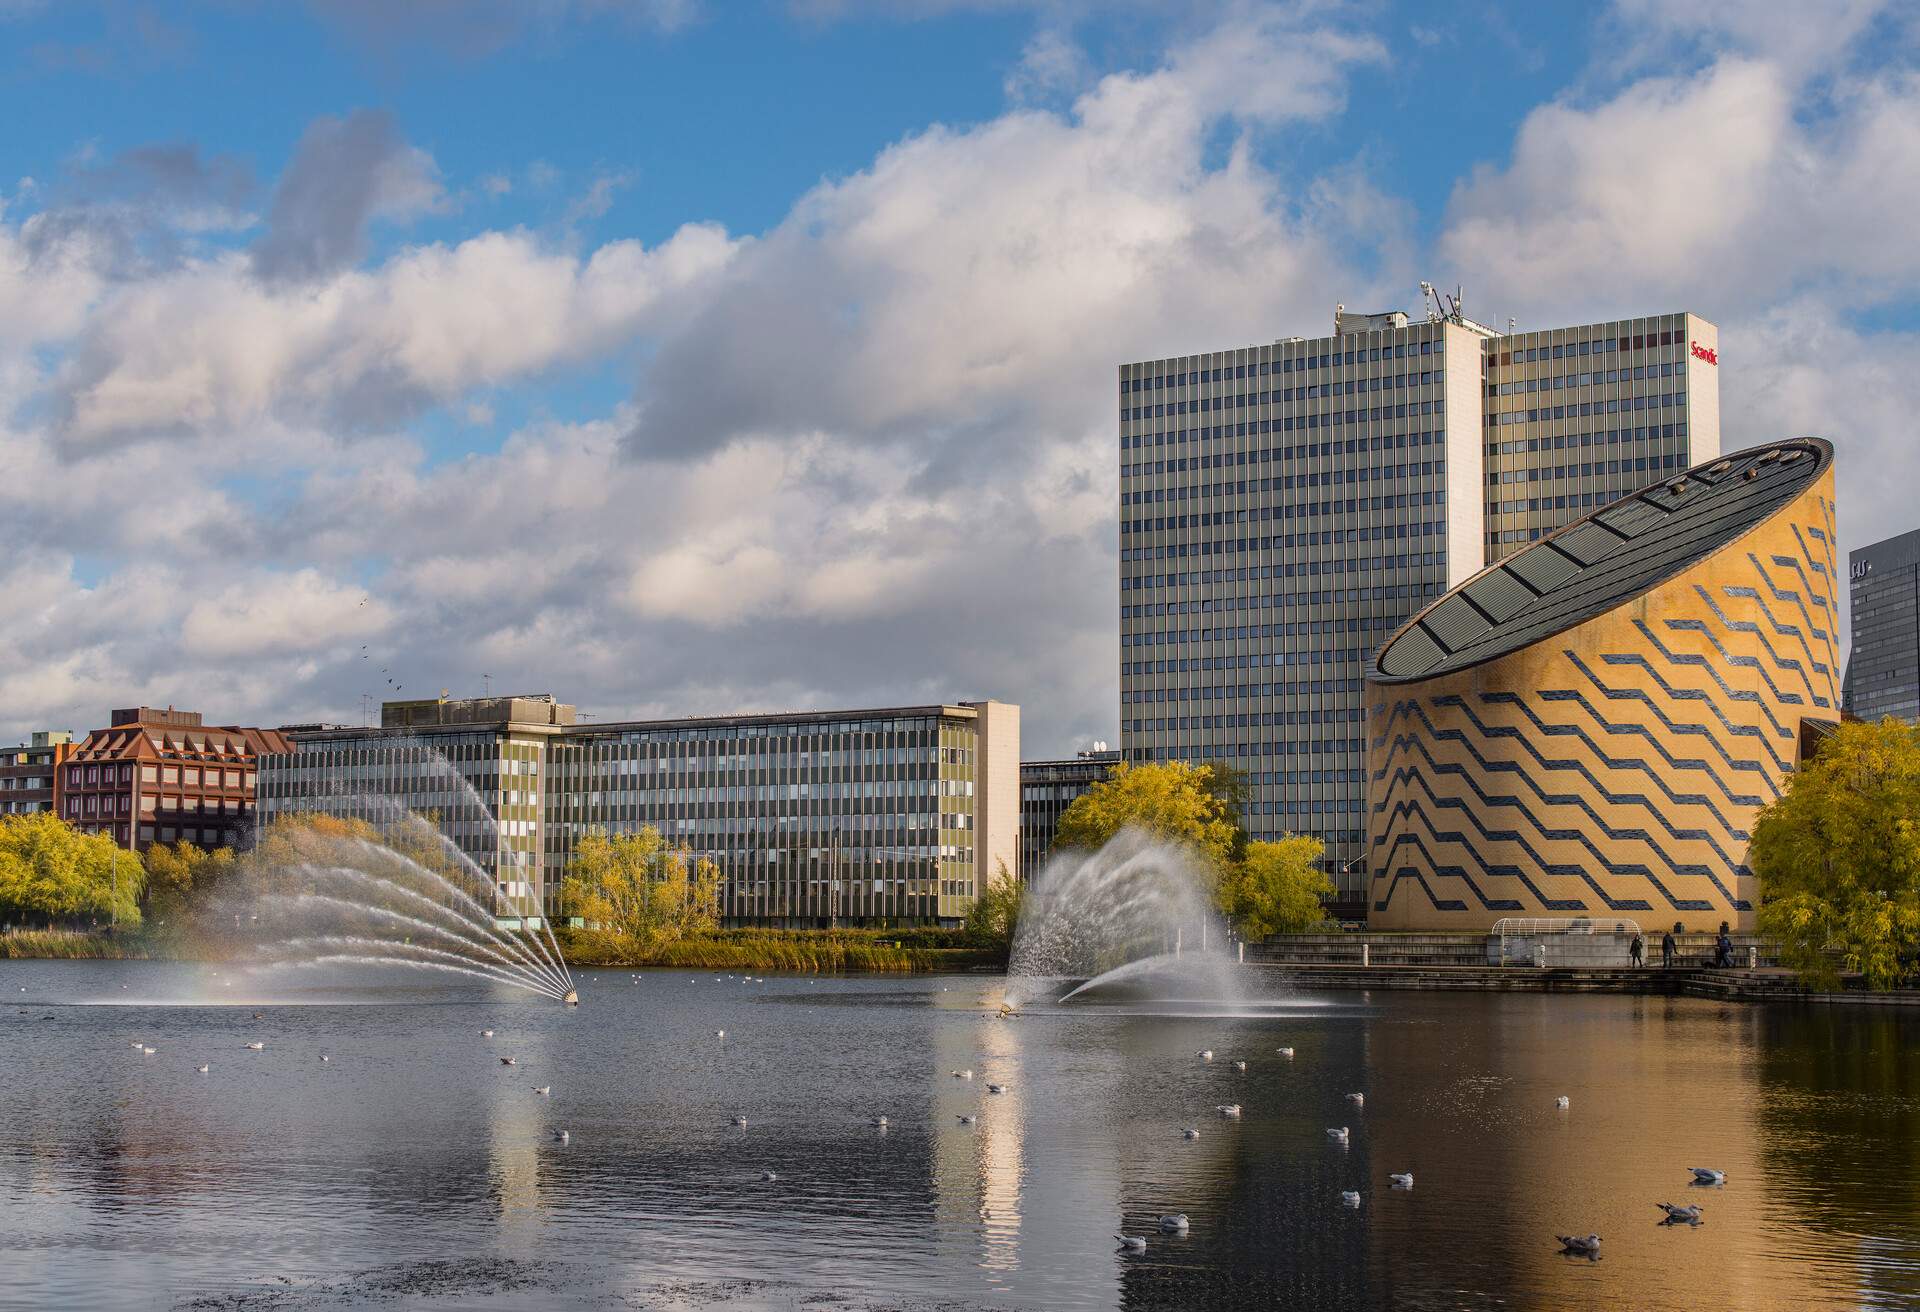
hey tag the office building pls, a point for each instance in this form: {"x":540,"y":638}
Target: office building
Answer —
{"x":1591,"y":726}
{"x":30,"y":773}
{"x":1883,"y":666}
{"x":1285,"y":507}
{"x":1047,"y":788}
{"x":162,"y":776}
{"x":889,"y":816}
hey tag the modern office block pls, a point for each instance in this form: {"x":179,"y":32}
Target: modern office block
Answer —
{"x":1286,"y":507}
{"x":1590,"y":726}
{"x":1047,"y":789}
{"x":1883,"y":666}
{"x":886,"y":816}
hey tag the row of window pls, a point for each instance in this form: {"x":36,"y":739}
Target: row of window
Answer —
{"x":1586,"y":469}
{"x":189,"y":776}
{"x":1287,"y":365}
{"x":1592,"y":346}
{"x":1299,"y":450}
{"x":1600,"y":378}
{"x":1286,"y":482}
{"x":1308,"y":422}
{"x":1287,"y":395}
{"x":1585,"y":409}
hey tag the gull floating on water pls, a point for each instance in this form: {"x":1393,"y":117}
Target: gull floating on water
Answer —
{"x":1707,"y":1175}
{"x":508,"y":1061}
{"x":205,"y":1069}
{"x":1357,"y":1099}
{"x":768,"y":1176}
{"x":719,"y":1034}
{"x":486,"y":1034}
{"x":1230,"y":1110}
{"x":1132,"y":1243}
{"x":1285,"y":1052}
{"x":324,"y":1057}
{"x":1563,"y":1102}
{"x":878,"y":1122}
{"x":147,"y":1051}
{"x":561,"y":1136}
{"x":1590,"y":1246}
{"x":966,"y":1120}
{"x":1189,"y":1133}
{"x":1176,"y":1224}
{"x":544,"y":1090}
{"x":1206,"y":1054}
{"x":963,"y":1075}
{"x":256,"y":1047}
{"x":1239,"y":1065}
{"x":1680,"y":1215}
{"x":1338,"y":1136}
{"x":139,"y":1043}
{"x":996,"y":1088}
{"x":740,"y":1121}
{"x":1351,"y":1197}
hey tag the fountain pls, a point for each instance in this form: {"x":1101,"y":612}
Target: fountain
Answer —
{"x":1134,"y":919}
{"x":358,"y":878}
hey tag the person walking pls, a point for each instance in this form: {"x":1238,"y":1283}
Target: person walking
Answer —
{"x":1666,"y":949}
{"x":1723,"y":949}
{"x":1637,"y":951}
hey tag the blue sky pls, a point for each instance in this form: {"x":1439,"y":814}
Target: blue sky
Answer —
{"x":682,"y":356}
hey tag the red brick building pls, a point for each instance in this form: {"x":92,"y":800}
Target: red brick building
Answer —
{"x":163,"y":777}
{"x":29,"y":773}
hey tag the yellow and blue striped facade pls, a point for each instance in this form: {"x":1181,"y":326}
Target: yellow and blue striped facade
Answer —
{"x":1613,"y":766}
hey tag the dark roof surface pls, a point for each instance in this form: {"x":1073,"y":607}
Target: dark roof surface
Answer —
{"x":1602,"y":560}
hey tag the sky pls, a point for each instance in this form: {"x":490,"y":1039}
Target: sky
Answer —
{"x":699,"y":356}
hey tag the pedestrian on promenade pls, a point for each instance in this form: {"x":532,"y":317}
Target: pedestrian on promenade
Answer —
{"x":1666,"y":948}
{"x":1723,"y":949}
{"x":1637,"y":951}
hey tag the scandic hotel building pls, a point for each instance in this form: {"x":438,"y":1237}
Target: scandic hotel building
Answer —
{"x":1592,"y":725}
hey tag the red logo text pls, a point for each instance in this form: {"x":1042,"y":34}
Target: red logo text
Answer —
{"x":1710,"y":356}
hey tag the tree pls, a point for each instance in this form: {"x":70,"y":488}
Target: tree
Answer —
{"x":1187,"y":803}
{"x":53,"y":874}
{"x":1838,"y":857}
{"x":183,"y":876}
{"x":633,"y":886}
{"x":1277,"y":888}
{"x":995,"y":914}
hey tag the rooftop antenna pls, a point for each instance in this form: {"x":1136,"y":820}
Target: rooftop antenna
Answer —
{"x":1440,"y":307}
{"x":486,"y":685}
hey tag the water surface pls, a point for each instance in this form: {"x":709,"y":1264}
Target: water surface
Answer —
{"x":414,"y":1169}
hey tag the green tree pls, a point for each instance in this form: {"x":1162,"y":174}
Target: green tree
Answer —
{"x":1187,"y":803}
{"x":52,"y":874}
{"x":995,"y":914}
{"x":634,"y":887}
{"x":1838,"y":857}
{"x":181,"y":876}
{"x":1277,"y":888}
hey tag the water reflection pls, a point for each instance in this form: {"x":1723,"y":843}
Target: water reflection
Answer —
{"x":128,"y":1179}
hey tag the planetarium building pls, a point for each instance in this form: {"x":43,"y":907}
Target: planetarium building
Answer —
{"x":1591,"y":726}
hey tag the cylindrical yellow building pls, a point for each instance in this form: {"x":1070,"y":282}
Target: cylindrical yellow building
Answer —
{"x":1590,"y":726}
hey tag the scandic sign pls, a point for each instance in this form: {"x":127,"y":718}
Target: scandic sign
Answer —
{"x":1708,"y":354}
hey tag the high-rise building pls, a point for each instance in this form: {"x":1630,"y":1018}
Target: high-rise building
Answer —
{"x":155,"y":776}
{"x":1883,"y":668}
{"x":1047,"y":788}
{"x":1284,"y":507}
{"x":887,"y":816}
{"x":30,"y":773}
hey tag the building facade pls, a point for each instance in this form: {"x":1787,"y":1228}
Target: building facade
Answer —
{"x":889,"y":816}
{"x":1285,"y":507}
{"x":162,"y":776}
{"x":1591,"y":725}
{"x":30,"y":773}
{"x":1883,"y":666}
{"x":1047,"y":788}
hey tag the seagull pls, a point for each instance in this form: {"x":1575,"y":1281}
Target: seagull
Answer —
{"x":1401,"y":1179}
{"x":1206,"y":1054}
{"x":1240,"y":1066}
{"x":966,"y":1120}
{"x":486,"y":1034}
{"x":1357,"y":1099}
{"x":719,"y":1034}
{"x":1132,"y":1243}
{"x":1175,"y":1224}
{"x":205,"y":1069}
{"x":1230,"y":1110}
{"x":1680,"y":1215}
{"x":1189,"y":1133}
{"x":878,"y":1122}
{"x":768,"y":1176}
{"x":996,"y":1088}
{"x":1350,"y":1197}
{"x":963,"y":1075}
{"x":256,"y":1047}
{"x":508,"y":1061}
{"x":1285,"y":1052}
{"x":561,"y":1136}
{"x":259,"y":1015}
{"x":544,"y":1090}
{"x":1707,"y":1175}
{"x":740,"y":1121}
{"x":1563,"y":1102}
{"x":1339,"y":1135}
{"x":1588,"y":1247}
{"x":138,"y":1044}
{"x":147,"y":1051}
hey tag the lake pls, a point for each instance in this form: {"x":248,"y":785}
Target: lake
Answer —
{"x":414,"y":1169}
